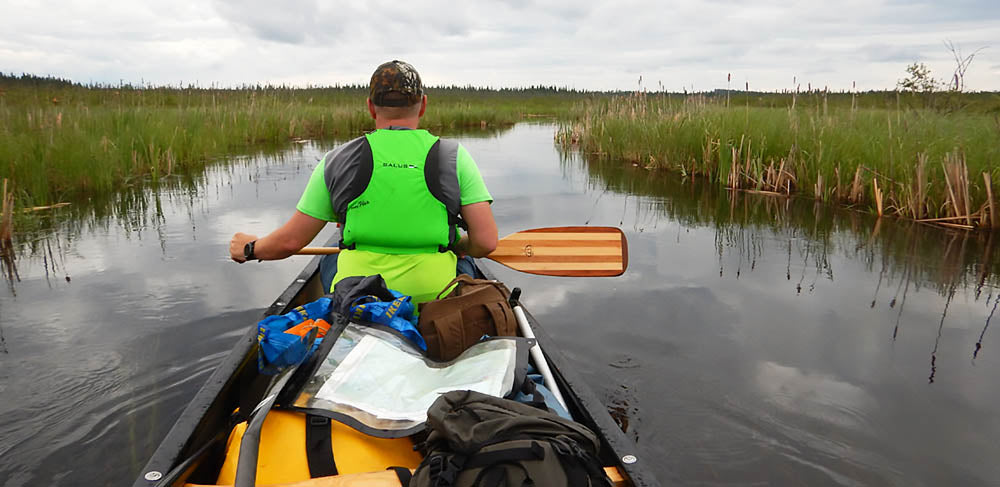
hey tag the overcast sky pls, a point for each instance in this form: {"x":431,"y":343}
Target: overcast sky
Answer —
{"x":580,"y":44}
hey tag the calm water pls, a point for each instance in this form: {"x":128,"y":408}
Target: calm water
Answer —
{"x":753,"y":341}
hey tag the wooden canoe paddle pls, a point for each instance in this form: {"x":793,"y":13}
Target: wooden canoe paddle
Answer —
{"x":553,"y":251}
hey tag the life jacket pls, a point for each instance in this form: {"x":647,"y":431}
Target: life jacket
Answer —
{"x":395,"y":191}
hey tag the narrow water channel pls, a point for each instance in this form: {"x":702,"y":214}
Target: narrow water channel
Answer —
{"x":754,"y":340}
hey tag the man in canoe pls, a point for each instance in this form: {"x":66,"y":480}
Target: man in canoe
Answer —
{"x":398,"y":193}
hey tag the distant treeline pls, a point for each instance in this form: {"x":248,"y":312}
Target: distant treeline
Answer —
{"x":979,"y":102}
{"x":32,"y":81}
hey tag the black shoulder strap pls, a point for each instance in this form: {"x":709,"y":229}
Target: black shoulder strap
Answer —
{"x":319,"y":447}
{"x":403,"y":474}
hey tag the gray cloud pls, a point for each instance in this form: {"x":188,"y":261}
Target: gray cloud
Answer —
{"x":511,"y":43}
{"x":287,"y":22}
{"x":933,"y":12}
{"x":890,"y":53}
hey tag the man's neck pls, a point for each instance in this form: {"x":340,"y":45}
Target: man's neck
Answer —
{"x":410,"y":123}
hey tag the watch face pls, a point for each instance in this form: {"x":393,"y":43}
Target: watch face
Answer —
{"x":248,"y":250}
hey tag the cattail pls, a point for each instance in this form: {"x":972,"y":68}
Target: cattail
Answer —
{"x":6,"y":217}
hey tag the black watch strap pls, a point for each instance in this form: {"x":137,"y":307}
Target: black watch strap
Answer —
{"x":248,"y":250}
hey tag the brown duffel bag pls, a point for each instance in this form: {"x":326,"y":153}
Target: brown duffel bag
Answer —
{"x":476,"y":307}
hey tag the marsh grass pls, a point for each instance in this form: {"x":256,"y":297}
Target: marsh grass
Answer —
{"x":909,"y":254}
{"x":61,"y":141}
{"x":925,"y":157}
{"x":920,"y":163}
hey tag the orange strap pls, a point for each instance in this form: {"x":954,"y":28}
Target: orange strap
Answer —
{"x":306,"y":326}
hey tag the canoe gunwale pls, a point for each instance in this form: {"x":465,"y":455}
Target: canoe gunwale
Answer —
{"x":586,"y":403}
{"x":190,"y":432}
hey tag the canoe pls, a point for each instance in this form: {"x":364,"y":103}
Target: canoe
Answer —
{"x":193,"y":450}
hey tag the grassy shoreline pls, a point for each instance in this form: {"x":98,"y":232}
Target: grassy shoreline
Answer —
{"x":919,"y":156}
{"x":920,"y":163}
{"x":64,"y":142}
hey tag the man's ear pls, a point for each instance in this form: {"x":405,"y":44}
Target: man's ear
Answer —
{"x":423,"y":106}
{"x":371,"y":108}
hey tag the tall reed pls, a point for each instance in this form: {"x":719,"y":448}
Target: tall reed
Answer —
{"x":6,"y":217}
{"x":7,"y":267}
{"x":889,"y":154}
{"x":62,"y":142}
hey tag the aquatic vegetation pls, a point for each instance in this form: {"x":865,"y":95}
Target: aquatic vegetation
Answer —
{"x":61,"y":141}
{"x":915,"y":161}
{"x":928,"y":157}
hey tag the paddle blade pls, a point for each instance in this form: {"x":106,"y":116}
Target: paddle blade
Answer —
{"x":565,"y":251}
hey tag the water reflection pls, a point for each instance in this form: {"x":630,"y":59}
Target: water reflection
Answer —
{"x":754,"y":339}
{"x":783,"y":341}
{"x":140,"y":207}
{"x":979,"y":343}
{"x":125,"y":304}
{"x":903,"y":255}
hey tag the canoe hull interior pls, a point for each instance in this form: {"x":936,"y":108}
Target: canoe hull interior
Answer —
{"x":194,"y":448}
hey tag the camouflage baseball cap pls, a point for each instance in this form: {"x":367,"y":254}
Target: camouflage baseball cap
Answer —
{"x":395,"y":84}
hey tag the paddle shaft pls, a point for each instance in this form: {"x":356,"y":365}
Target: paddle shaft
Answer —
{"x":556,"y":251}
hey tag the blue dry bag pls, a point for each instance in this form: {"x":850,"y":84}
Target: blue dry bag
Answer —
{"x":279,"y":349}
{"x":396,"y":314}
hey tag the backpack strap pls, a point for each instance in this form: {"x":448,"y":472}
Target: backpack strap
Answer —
{"x":403,"y":474}
{"x":501,"y":318}
{"x":580,"y":467}
{"x":444,"y":468}
{"x":489,"y":476}
{"x":451,"y":326}
{"x":319,"y":447}
{"x":506,"y":455}
{"x":459,"y":279}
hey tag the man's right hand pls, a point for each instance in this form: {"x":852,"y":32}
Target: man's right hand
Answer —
{"x":236,"y":245}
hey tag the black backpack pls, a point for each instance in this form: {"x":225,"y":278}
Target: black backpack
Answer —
{"x":480,"y":440}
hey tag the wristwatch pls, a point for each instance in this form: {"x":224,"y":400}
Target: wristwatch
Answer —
{"x":248,"y":251}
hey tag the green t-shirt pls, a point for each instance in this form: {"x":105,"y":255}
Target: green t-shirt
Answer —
{"x":419,"y":275}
